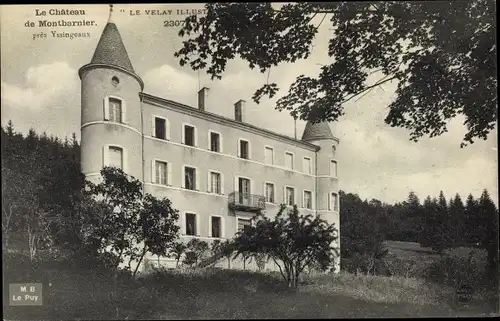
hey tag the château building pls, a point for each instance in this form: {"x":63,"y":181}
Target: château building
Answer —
{"x":217,"y":171}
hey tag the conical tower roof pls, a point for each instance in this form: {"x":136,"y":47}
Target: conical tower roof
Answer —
{"x":317,"y":131}
{"x":111,"y":50}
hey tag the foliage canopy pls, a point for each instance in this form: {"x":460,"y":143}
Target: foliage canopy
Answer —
{"x":442,"y":54}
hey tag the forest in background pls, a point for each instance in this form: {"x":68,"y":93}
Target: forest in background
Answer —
{"x":41,"y":178}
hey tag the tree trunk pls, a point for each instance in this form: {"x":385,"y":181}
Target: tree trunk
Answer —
{"x":31,"y":243}
{"x":297,"y":273}
{"x":144,"y":250}
{"x":118,"y":259}
{"x":6,"y":226}
{"x":289,"y":274}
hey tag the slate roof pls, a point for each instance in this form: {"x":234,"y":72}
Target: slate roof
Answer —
{"x":317,"y":131}
{"x":110,"y":49}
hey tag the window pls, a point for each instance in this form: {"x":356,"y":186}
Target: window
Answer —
{"x":115,"y":110}
{"x":190,"y":224}
{"x":189,"y":135}
{"x":216,"y":227}
{"x":116,"y":157}
{"x":289,"y":160}
{"x":160,"y":128}
{"x":215,"y":183}
{"x":214,"y":142}
{"x":307,"y":165}
{"x":269,"y":192}
{"x":244,"y":224}
{"x":244,"y":186}
{"x":290,"y":197}
{"x":244,"y":191}
{"x":333,"y":168}
{"x":334,"y":202}
{"x":244,"y":149}
{"x":269,"y":155}
{"x":161,"y":173}
{"x":115,"y":81}
{"x":307,"y":199}
{"x":190,"y":178}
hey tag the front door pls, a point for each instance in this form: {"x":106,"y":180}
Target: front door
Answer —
{"x":244,"y":191}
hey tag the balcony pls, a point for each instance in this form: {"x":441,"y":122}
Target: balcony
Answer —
{"x":246,"y":202}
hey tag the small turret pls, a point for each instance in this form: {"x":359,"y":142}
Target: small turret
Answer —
{"x":327,"y":186}
{"x":111,"y":108}
{"x":110,"y":50}
{"x":317,"y":131}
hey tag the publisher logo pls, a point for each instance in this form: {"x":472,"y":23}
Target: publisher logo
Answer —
{"x":464,"y":293}
{"x":25,"y":294}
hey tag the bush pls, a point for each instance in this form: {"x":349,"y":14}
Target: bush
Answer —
{"x":455,"y":271}
{"x":407,"y":268}
{"x":364,"y":263}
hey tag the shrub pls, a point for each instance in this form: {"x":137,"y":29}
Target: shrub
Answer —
{"x":190,"y":258}
{"x":407,"y":268}
{"x":364,"y":263}
{"x":291,"y":240}
{"x":455,"y":271}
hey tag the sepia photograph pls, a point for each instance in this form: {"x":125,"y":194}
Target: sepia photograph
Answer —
{"x":249,"y":160}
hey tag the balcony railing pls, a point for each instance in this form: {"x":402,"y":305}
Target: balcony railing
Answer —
{"x":247,"y":202}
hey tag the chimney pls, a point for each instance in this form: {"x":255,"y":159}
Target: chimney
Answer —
{"x":202,"y":98}
{"x":238,"y":110}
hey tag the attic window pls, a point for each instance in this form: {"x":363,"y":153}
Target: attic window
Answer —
{"x":115,"y":81}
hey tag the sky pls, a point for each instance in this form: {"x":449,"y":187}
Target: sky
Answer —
{"x":40,"y":89}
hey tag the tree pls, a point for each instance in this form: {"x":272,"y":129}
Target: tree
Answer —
{"x":227,"y":250}
{"x":488,"y":215}
{"x":363,"y":235}
{"x":196,"y":250}
{"x":445,"y":222}
{"x":260,"y":260}
{"x":472,"y":232}
{"x":412,"y":218}
{"x":157,"y":227}
{"x":244,"y":244}
{"x":435,"y":233}
{"x":25,"y":221}
{"x":133,"y":224}
{"x":292,"y":241}
{"x":441,"y":54}
{"x":176,"y":251}
{"x":457,"y":216}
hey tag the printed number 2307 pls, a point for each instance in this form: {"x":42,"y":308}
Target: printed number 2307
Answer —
{"x":173,"y":23}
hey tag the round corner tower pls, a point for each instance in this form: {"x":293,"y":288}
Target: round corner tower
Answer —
{"x":111,"y":128}
{"x":327,"y":185}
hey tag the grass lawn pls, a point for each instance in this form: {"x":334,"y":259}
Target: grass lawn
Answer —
{"x":227,"y":294}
